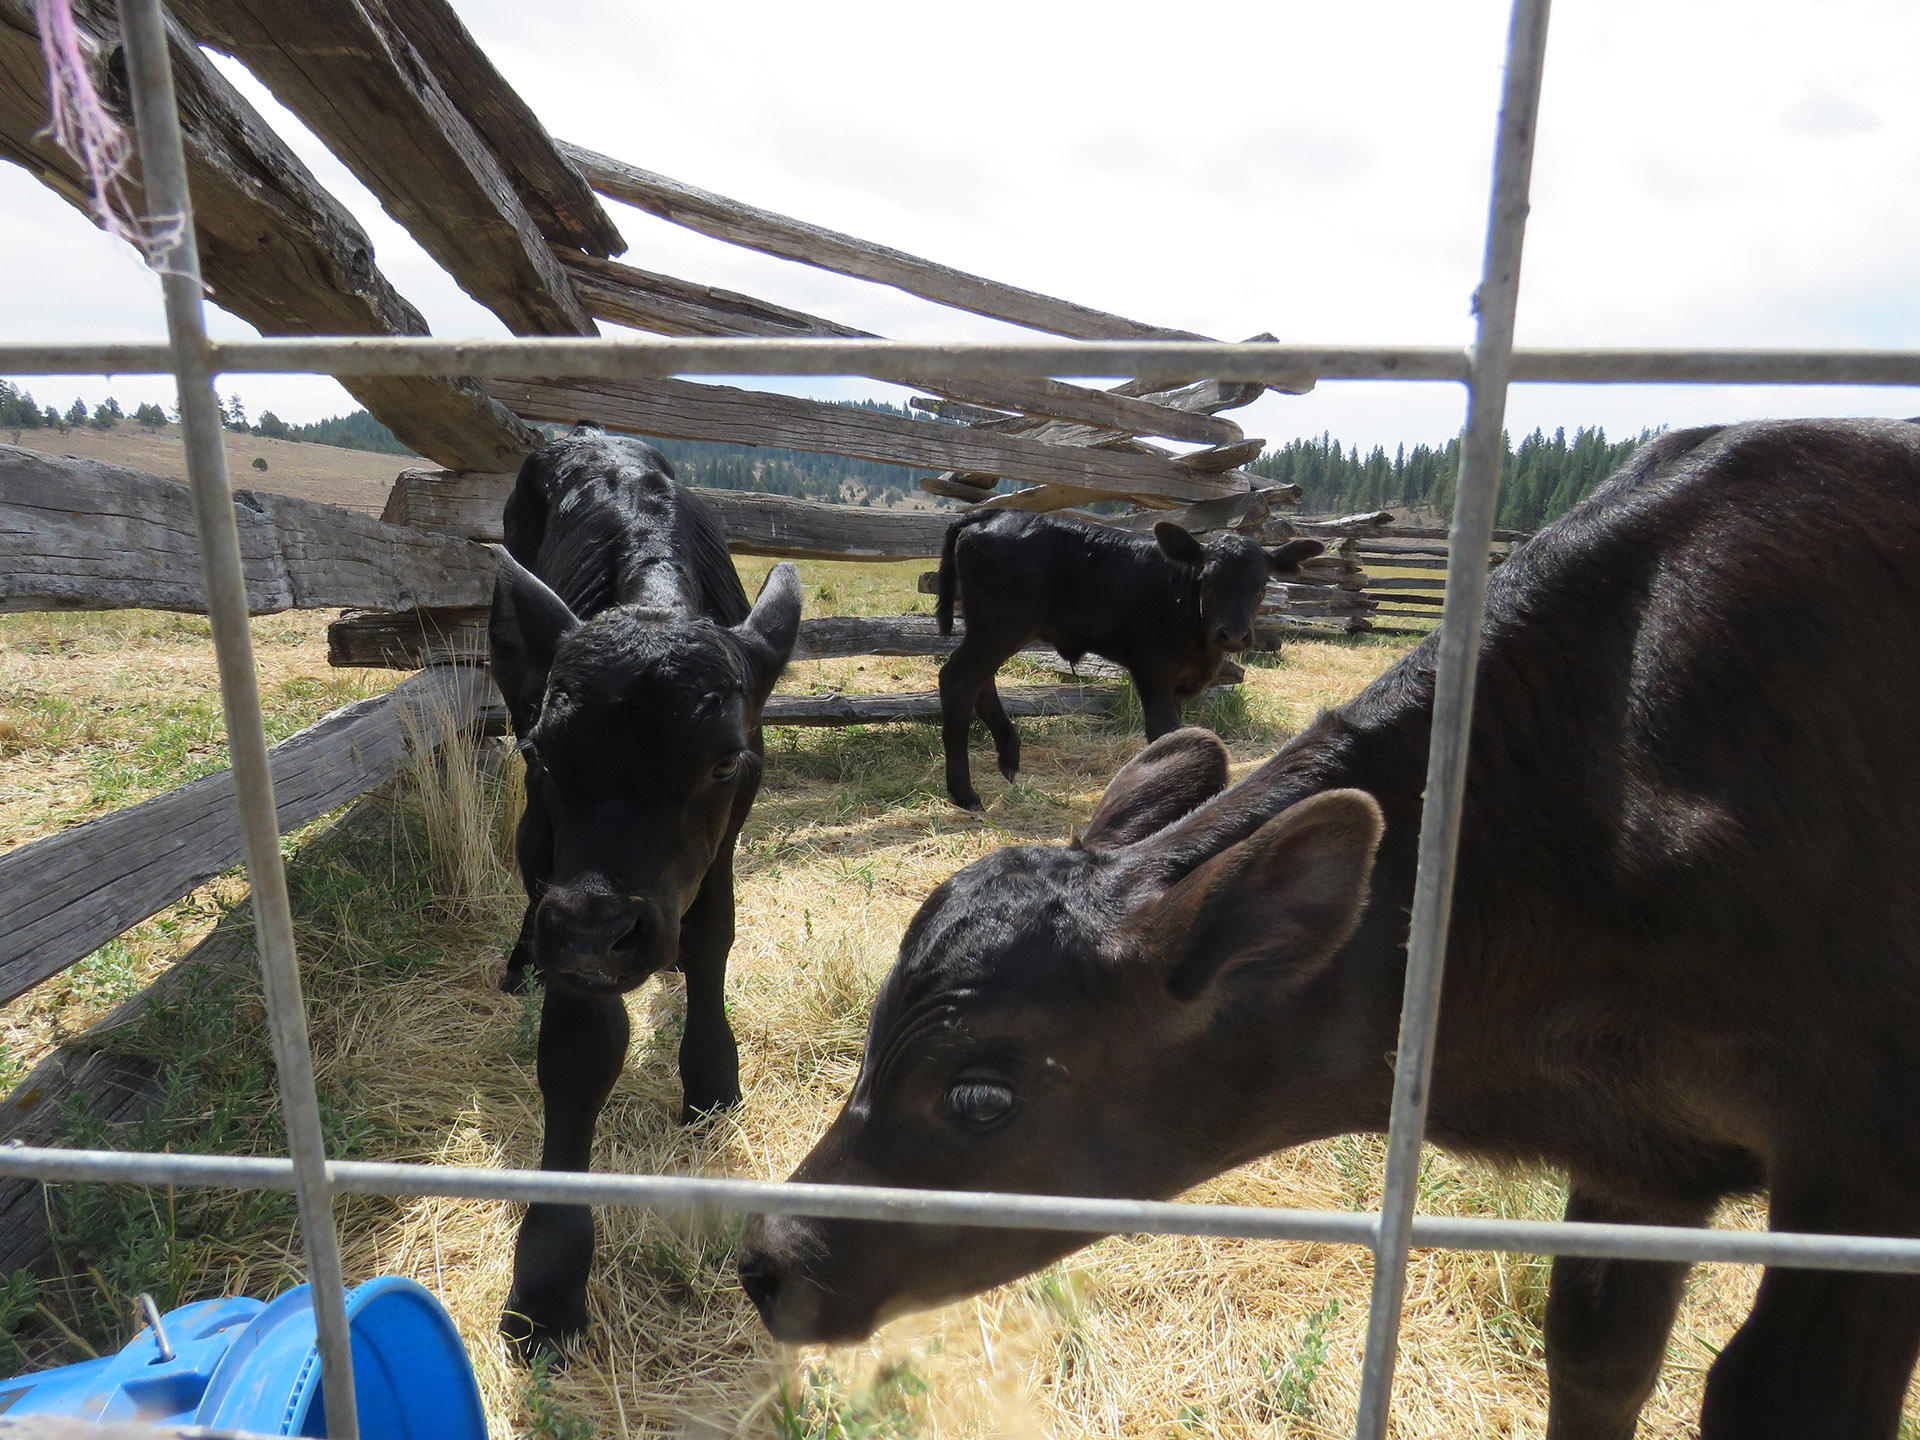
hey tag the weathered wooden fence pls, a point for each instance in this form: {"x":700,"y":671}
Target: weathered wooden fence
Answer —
{"x":402,"y":95}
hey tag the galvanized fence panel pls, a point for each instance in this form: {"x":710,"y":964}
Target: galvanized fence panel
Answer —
{"x":1487,"y":368}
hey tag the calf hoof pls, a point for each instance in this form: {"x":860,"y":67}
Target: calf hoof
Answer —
{"x":1010,"y":770}
{"x":529,"y":1336}
{"x":514,"y":982}
{"x":966,"y":799}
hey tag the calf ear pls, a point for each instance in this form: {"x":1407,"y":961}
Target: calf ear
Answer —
{"x":1290,"y":893}
{"x":1169,"y":779}
{"x":1288,"y":556}
{"x":772,"y":627}
{"x":528,"y":619}
{"x":1177,"y":544}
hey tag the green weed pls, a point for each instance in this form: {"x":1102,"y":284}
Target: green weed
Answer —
{"x":821,"y":1407}
{"x":547,"y":1418}
{"x":1286,"y":1388}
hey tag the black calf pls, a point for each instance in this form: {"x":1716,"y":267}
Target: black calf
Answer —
{"x":635,"y":676}
{"x":1165,"y":606}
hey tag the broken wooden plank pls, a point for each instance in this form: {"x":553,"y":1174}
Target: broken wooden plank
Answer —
{"x":623,"y":295}
{"x":772,"y":234}
{"x":556,"y":194}
{"x":348,"y":70}
{"x":469,"y":504}
{"x":81,"y":534}
{"x":1200,"y":397}
{"x":64,"y":896}
{"x":923,"y":706}
{"x":681,"y":409}
{"x":275,"y":249}
{"x":1249,"y":511}
{"x":958,"y":411}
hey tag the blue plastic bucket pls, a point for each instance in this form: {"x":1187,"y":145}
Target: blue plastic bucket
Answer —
{"x":242,"y":1365}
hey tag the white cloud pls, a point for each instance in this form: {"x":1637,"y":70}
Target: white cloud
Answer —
{"x":1317,"y":171}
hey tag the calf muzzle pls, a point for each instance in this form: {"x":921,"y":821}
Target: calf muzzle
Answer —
{"x":599,"y":943}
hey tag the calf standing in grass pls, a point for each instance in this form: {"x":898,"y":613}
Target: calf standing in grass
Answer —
{"x":1684,"y":961}
{"x":634,"y":675}
{"x":1165,"y":606}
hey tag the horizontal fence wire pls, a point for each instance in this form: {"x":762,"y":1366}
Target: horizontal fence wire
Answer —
{"x":901,"y":361}
{"x":698,"y":1196}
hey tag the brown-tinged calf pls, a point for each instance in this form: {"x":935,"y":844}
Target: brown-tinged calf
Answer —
{"x":1684,"y":962}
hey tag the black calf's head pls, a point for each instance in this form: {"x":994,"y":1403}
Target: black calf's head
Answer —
{"x":1054,"y":1024}
{"x":1233,"y":572}
{"x":643,"y":755}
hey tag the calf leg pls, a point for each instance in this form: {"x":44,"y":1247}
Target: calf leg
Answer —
{"x":1823,"y":1353}
{"x":1006,"y":740}
{"x":583,"y":1044}
{"x":1607,"y":1320}
{"x":1160,"y":706}
{"x":709,"y":1059}
{"x":970,"y":667}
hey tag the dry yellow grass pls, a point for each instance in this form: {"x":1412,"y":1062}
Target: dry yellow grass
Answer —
{"x":1137,"y":1337}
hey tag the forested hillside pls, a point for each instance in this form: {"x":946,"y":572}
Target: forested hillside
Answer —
{"x":1539,"y":479}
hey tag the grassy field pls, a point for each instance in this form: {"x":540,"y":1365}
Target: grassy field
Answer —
{"x":404,"y":917}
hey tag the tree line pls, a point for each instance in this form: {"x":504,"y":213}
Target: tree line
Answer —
{"x":1540,"y":478}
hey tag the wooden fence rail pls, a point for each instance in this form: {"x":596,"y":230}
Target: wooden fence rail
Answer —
{"x":80,"y":534}
{"x":64,"y":896}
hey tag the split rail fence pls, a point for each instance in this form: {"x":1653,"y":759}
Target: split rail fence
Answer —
{"x":512,"y":215}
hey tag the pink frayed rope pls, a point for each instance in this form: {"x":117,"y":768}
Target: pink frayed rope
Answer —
{"x":80,"y":123}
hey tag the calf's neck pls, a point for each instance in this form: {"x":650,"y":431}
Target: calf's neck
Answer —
{"x":1684,"y":961}
{"x":634,"y":675}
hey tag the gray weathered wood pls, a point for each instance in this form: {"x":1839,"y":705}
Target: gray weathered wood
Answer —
{"x":1217,"y":459}
{"x":409,"y":639}
{"x":1201,"y":397}
{"x":683,"y":410}
{"x":772,"y":234}
{"x":64,"y":896}
{"x":756,"y":524}
{"x":623,"y":295}
{"x":276,"y":249}
{"x":923,"y":706}
{"x":556,"y":194}
{"x":1344,"y":530}
{"x":351,"y":74}
{"x":415,"y":639}
{"x":958,"y":410}
{"x":81,"y":534}
{"x":954,"y":489}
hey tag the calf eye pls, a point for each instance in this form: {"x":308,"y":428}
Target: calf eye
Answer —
{"x":728,"y":768}
{"x":980,"y":1102}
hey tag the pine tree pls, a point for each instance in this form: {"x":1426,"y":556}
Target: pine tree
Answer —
{"x":76,"y":414}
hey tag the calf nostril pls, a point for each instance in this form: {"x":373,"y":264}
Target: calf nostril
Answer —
{"x":760,"y":1278}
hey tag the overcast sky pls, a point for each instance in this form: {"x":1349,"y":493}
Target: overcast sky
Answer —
{"x":1707,"y":175}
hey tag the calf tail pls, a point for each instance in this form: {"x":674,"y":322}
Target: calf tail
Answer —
{"x":949,"y":581}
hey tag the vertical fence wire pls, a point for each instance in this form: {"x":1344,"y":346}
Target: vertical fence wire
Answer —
{"x":176,"y":256}
{"x":1459,"y":652}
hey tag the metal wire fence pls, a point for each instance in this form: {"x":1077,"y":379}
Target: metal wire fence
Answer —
{"x":1486,"y":368}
